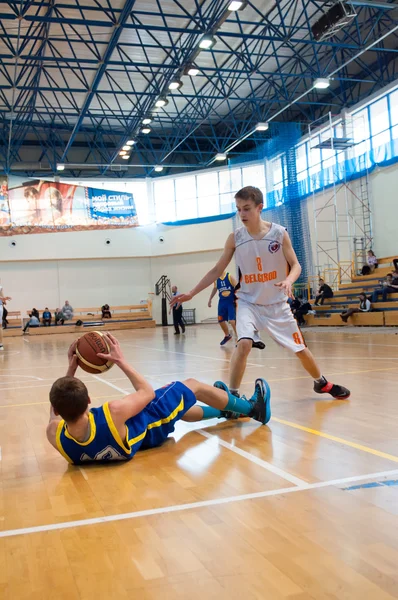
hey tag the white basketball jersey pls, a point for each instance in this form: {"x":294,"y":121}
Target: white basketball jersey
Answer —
{"x":261,"y":264}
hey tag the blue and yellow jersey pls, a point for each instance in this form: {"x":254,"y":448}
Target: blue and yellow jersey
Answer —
{"x":148,"y":429}
{"x":225,"y":288}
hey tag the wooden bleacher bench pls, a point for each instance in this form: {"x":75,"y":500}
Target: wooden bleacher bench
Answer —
{"x":14,"y":318}
{"x":129,"y":316}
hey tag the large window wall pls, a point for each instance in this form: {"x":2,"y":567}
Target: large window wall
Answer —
{"x":373,"y":130}
{"x":205,"y":194}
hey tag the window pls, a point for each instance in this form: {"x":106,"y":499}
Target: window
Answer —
{"x":394,"y":114}
{"x":379,"y":122}
{"x":361,"y":132}
{"x":165,"y":205}
{"x":301,"y":162}
{"x":186,"y":202}
{"x":255,"y":176}
{"x":208,"y":197}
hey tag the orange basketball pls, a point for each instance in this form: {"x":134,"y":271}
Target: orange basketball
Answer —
{"x":86,"y":351}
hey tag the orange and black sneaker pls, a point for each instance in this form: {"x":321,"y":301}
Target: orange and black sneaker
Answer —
{"x":337,"y":391}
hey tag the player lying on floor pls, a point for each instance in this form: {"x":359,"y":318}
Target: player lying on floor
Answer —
{"x":143,"y":419}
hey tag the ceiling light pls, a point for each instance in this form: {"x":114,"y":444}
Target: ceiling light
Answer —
{"x":126,"y":147}
{"x":123,"y":152}
{"x":126,"y":157}
{"x":146,"y":121}
{"x":207,"y":42}
{"x":160,"y":102}
{"x":175,"y":84}
{"x":191,"y":70}
{"x":60,"y":167}
{"x":262,"y":126}
{"x":146,"y":130}
{"x":220,"y":156}
{"x":130,"y":142}
{"x":321,"y":83}
{"x":159,"y":169}
{"x":235,"y":5}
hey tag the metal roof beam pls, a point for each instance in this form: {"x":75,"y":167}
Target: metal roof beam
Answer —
{"x":117,"y":31}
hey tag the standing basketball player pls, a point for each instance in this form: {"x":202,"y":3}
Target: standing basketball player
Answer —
{"x":3,"y":300}
{"x":225,"y":286}
{"x":268,"y":267}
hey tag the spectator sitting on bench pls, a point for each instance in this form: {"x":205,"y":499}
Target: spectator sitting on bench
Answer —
{"x":364,"y":306}
{"x":106,"y":312}
{"x":46,"y":317}
{"x":34,"y":320}
{"x":325,"y":291}
{"x":388,"y":286}
{"x":67,"y":311}
{"x":59,"y":317}
{"x":373,"y":263}
{"x":299,"y":309}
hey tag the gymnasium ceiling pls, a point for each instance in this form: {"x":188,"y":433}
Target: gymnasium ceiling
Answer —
{"x":77,"y":77}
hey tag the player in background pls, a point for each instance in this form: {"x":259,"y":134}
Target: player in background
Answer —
{"x":225,"y":286}
{"x":268,"y":267}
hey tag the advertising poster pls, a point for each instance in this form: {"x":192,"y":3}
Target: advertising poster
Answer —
{"x":39,"y":206}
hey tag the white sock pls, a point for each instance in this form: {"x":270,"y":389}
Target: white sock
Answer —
{"x":322,"y":379}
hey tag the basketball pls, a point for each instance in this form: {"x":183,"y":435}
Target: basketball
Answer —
{"x":86,"y":351}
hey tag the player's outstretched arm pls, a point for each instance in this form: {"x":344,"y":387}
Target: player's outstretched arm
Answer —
{"x":132,"y":404}
{"x":295,"y":268}
{"x":212,"y":275}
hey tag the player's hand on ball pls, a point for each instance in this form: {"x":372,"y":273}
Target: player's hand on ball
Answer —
{"x":179,"y":299}
{"x":286,"y":287}
{"x":115,"y":354}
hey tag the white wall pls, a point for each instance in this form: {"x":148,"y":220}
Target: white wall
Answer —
{"x":385,"y":210}
{"x":383,"y":190}
{"x":47,"y":269}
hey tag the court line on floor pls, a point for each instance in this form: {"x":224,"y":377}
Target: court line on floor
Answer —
{"x":352,"y":343}
{"x":254,"y":459}
{"x":342,"y":441}
{"x":227,"y":359}
{"x":192,"y":505}
{"x":329,"y":374}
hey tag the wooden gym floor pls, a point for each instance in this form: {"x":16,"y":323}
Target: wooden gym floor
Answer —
{"x":229,"y":511}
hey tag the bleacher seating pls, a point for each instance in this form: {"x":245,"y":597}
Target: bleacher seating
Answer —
{"x":131,"y":316}
{"x":383,"y":313}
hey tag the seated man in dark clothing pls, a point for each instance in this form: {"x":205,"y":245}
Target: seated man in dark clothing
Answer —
{"x":324,"y":291}
{"x":106,"y":312}
{"x":388,"y":286}
{"x":299,"y":309}
{"x":46,"y":317}
{"x":59,"y":316}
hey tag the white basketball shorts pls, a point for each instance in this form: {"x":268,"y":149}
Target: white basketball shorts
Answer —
{"x":276,"y":319}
